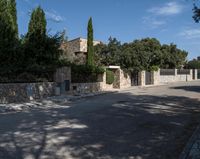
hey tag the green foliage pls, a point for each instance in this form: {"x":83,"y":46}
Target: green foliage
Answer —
{"x":13,"y":13}
{"x":40,"y":49}
{"x":90,"y":47}
{"x":154,"y":68}
{"x":193,"y":64}
{"x":85,"y":69}
{"x":35,"y":54}
{"x":85,"y":73}
{"x":139,"y":55}
{"x":108,"y":54}
{"x":37,"y":24}
{"x":8,"y":41}
{"x":196,"y":12}
{"x":109,"y":77}
{"x":172,"y":57}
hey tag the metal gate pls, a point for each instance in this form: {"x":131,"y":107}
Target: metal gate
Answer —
{"x":198,"y":74}
{"x":134,"y":79}
{"x":148,"y":78}
{"x":193,"y":74}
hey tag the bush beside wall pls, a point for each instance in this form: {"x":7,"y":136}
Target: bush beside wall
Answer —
{"x":109,"y":77}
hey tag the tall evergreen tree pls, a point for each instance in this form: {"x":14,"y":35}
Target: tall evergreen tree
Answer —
{"x":37,"y":24}
{"x":35,"y":38}
{"x":7,"y":38}
{"x":41,"y":51}
{"x":90,"y":46}
{"x":13,"y":13}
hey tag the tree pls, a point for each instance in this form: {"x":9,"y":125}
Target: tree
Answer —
{"x":144,"y":54}
{"x":108,"y":54}
{"x":8,"y":40}
{"x":41,"y":51}
{"x":196,"y":11}
{"x":90,"y":46}
{"x":172,"y":57}
{"x":35,"y":38}
{"x":193,"y":64}
{"x":13,"y":13}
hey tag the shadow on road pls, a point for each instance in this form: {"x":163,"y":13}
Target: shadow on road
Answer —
{"x":188,"y":88}
{"x":112,"y":126}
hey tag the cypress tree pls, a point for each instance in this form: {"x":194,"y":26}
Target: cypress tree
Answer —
{"x":37,"y":24}
{"x":13,"y":13}
{"x":41,"y":51}
{"x":7,"y":38}
{"x":90,"y":46}
{"x":35,"y":38}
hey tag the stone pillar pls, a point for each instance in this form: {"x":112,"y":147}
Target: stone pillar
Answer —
{"x":156,"y":77}
{"x":62,"y":74}
{"x":175,"y":75}
{"x":190,"y":78}
{"x":196,"y":74}
{"x":63,"y":79}
{"x":141,"y":78}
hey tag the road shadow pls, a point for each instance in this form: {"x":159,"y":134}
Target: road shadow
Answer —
{"x":117,"y":125}
{"x":188,"y":88}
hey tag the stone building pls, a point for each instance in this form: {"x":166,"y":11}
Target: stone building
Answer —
{"x":76,"y":50}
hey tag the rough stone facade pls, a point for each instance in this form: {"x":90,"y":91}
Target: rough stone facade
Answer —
{"x":84,"y":88}
{"x":24,"y":92}
{"x":76,"y":50}
{"x":125,"y":79}
{"x":141,"y":78}
{"x":62,"y":74}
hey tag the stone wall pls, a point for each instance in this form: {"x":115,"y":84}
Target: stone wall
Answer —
{"x":125,"y":79}
{"x":24,"y":92}
{"x":141,"y":78}
{"x":172,"y":78}
{"x":62,"y":74}
{"x":85,"y":88}
{"x":83,"y":44}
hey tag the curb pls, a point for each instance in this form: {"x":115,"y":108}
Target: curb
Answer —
{"x":186,"y":151}
{"x":74,"y":98}
{"x":90,"y":95}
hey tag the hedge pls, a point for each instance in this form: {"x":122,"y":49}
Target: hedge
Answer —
{"x":85,"y":73}
{"x":109,"y":77}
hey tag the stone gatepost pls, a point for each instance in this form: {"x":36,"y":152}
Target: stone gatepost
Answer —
{"x":62,"y":77}
{"x":190,"y":78}
{"x":141,"y":78}
{"x":156,"y":77}
{"x":195,"y":74}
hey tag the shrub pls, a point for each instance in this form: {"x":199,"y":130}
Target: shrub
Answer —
{"x":25,"y":77}
{"x":109,"y":77}
{"x":85,"y":73}
{"x":154,"y":68}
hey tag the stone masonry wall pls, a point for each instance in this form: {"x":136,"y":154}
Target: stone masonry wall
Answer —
{"x":83,"y":44}
{"x":24,"y":92}
{"x":172,"y":78}
{"x":125,"y":79}
{"x":84,"y":88}
{"x":75,"y":50}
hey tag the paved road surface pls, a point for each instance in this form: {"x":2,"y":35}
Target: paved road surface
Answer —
{"x":139,"y":123}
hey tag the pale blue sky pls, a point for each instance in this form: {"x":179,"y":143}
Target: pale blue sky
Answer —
{"x":127,"y":20}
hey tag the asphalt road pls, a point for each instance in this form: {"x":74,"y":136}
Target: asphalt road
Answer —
{"x":139,"y":123}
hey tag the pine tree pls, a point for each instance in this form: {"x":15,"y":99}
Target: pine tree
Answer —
{"x":90,"y":47}
{"x":13,"y":13}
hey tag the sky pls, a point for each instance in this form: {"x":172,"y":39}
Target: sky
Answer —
{"x":170,"y":21}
